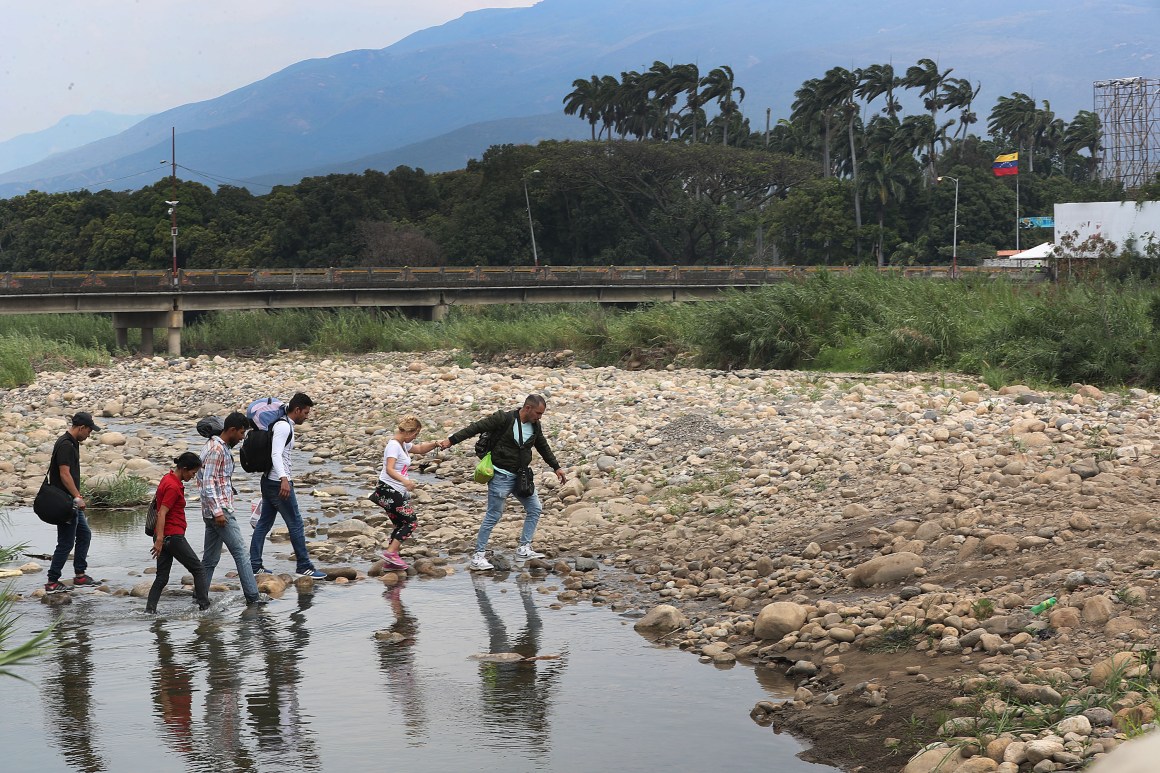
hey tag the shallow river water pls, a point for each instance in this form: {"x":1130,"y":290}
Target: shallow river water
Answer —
{"x":303,"y":684}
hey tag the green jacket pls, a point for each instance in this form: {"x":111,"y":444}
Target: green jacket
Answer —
{"x":505,"y":452}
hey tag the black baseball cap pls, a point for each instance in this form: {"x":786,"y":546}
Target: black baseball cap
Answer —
{"x":85,"y":419}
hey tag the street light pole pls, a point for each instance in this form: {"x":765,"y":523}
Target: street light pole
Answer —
{"x":173,"y":204}
{"x":531,"y":228}
{"x":955,"y":235}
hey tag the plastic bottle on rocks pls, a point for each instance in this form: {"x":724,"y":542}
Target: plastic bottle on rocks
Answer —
{"x":1043,"y":606}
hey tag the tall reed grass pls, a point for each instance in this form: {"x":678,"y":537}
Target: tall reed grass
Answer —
{"x":1101,"y":334}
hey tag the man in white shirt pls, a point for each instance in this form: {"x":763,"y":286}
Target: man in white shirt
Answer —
{"x":278,"y":491}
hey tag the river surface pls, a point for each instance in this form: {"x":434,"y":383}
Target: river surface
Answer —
{"x":303,"y":684}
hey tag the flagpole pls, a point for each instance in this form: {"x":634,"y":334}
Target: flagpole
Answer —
{"x":1017,"y":212}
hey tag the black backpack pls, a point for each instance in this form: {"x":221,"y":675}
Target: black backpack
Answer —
{"x":255,"y":453}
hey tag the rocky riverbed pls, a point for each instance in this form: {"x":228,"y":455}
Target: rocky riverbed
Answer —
{"x":878,"y":539}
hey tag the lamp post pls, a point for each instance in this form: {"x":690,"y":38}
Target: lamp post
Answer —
{"x":955,"y":235}
{"x":531,"y":228}
{"x":173,"y":234}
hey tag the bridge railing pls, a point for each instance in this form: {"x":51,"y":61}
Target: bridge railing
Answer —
{"x":275,"y":279}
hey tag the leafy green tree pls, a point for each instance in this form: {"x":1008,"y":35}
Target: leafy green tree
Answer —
{"x":813,"y":226}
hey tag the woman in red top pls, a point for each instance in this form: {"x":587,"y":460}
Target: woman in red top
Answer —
{"x":169,"y":542}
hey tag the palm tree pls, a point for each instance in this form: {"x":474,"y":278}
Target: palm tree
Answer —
{"x":926,"y":77}
{"x":607,"y":103}
{"x":811,"y":109}
{"x":584,"y":100}
{"x":838,"y":88}
{"x":686,"y":79}
{"x":958,"y":94}
{"x":1085,"y":133}
{"x":1014,"y":119}
{"x":661,"y":83}
{"x":632,"y":105}
{"x":718,"y":84}
{"x":887,"y":170}
{"x":879,"y":80}
{"x":919,"y":133}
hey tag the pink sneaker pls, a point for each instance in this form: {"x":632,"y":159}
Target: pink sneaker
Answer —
{"x":394,"y":562}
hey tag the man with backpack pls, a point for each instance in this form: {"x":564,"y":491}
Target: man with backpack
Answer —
{"x":512,"y":435}
{"x":64,"y":472}
{"x":278,"y":491}
{"x":215,"y":484}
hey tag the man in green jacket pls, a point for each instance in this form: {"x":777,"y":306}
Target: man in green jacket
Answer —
{"x":513,"y":435}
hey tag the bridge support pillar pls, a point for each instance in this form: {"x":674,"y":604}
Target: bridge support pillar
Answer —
{"x":426,"y":313}
{"x":147,"y":321}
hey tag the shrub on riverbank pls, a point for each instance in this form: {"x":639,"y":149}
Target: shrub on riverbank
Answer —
{"x":1100,"y":334}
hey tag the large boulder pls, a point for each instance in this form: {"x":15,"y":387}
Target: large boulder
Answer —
{"x":777,"y":619}
{"x":1122,"y":665}
{"x":884,"y":570}
{"x":939,"y":759}
{"x":351,"y":527}
{"x":661,"y":620}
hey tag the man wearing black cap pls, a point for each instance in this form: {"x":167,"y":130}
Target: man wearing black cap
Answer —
{"x":64,"y":471}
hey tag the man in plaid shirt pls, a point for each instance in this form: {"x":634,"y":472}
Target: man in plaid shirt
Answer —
{"x":215,"y":483}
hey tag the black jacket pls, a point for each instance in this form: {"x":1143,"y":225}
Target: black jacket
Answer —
{"x":506,"y":452}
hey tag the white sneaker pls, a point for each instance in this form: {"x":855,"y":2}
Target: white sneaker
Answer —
{"x":524,"y":552}
{"x":479,"y":563}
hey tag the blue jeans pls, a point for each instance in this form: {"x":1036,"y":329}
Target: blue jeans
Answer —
{"x":231,"y":536}
{"x":75,"y":532}
{"x":273,"y":504}
{"x":498,"y":491}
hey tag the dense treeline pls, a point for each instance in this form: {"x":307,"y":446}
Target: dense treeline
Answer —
{"x":674,"y":173}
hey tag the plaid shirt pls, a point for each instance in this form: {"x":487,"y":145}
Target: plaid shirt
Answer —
{"x":214,"y":479}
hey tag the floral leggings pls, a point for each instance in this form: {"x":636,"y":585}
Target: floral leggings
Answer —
{"x":400,"y":513}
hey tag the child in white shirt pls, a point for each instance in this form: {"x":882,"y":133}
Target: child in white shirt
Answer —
{"x":394,"y":489}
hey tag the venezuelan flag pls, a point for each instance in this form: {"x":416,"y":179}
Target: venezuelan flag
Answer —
{"x":1006,"y":164}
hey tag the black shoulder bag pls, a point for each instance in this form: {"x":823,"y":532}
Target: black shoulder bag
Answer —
{"x":525,"y":480}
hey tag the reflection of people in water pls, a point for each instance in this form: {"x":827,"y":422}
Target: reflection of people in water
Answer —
{"x":517,"y":696}
{"x":275,"y":713}
{"x":397,"y":659}
{"x":221,"y":736}
{"x":173,"y":693}
{"x":69,"y":702}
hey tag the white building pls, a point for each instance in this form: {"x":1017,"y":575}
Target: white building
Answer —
{"x":1116,"y":221}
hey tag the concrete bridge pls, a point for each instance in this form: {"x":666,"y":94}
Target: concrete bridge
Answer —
{"x":159,"y":299}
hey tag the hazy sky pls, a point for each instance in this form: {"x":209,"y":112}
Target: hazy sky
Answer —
{"x":67,"y":57}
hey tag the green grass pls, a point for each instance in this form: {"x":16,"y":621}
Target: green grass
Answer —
{"x":21,"y":355}
{"x":897,"y":638}
{"x":23,"y":652}
{"x":11,"y":552}
{"x":121,"y":490}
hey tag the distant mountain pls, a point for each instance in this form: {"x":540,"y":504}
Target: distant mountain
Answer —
{"x":69,"y":132}
{"x":496,"y":64}
{"x":452,"y":150}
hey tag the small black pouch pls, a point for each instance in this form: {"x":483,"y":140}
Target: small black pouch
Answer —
{"x":525,"y":482}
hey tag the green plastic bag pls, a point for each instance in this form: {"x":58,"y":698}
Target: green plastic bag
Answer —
{"x":485,"y":470}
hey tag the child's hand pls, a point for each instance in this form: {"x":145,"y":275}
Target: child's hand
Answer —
{"x":408,"y":484}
